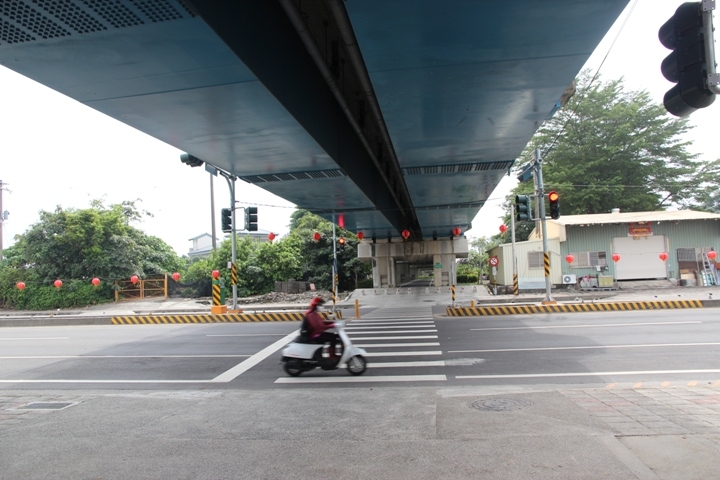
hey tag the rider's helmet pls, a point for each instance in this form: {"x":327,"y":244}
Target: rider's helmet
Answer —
{"x":316,"y":302}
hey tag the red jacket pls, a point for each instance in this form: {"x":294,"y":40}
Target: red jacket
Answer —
{"x":317,"y":323}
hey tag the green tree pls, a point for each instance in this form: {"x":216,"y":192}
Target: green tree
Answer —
{"x":317,"y":256}
{"x":611,"y":148}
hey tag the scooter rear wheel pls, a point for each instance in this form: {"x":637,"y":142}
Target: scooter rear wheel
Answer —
{"x":357,"y":365}
{"x":293,"y":367}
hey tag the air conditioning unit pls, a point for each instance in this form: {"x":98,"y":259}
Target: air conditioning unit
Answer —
{"x":569,"y":279}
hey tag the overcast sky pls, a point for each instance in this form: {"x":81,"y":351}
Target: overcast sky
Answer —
{"x":55,"y":151}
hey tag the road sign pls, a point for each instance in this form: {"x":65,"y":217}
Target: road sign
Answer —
{"x":438,"y":265}
{"x":494,"y":261}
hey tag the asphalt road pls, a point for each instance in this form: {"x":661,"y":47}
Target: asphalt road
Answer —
{"x":408,"y":347}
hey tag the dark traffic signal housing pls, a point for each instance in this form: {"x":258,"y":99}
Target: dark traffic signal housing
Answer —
{"x":188,"y":159}
{"x":522,"y":208}
{"x":554,"y":200}
{"x":226,"y":220}
{"x":687,"y":34}
{"x":251,"y":218}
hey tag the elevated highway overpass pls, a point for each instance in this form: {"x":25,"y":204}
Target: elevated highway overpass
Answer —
{"x":379,"y":115}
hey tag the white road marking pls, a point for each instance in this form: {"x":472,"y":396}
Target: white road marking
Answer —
{"x":382,"y":378}
{"x":376,"y":327}
{"x":430,"y":363}
{"x":246,"y":365}
{"x":414,"y":337}
{"x":393,"y":332}
{"x":587,"y":347}
{"x":35,"y":338}
{"x":397,"y":319}
{"x":50,"y":357}
{"x":587,"y":326}
{"x":401,"y":354}
{"x":250,"y":335}
{"x":589,"y":374}
{"x":400,"y":322}
{"x":376,"y":345}
{"x":105,"y":381}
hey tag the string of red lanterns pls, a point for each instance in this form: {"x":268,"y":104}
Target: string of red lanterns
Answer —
{"x":569,"y":258}
{"x":503,"y":228}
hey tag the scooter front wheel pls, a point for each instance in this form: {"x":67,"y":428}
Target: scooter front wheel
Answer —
{"x":293,"y":367}
{"x":357,"y":365}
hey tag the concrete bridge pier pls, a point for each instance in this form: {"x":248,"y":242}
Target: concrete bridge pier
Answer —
{"x":396,"y":262}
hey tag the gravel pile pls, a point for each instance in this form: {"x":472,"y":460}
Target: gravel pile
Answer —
{"x":279,"y":297}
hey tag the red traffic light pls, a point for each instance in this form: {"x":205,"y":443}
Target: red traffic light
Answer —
{"x":553,"y":196}
{"x":341,"y":241}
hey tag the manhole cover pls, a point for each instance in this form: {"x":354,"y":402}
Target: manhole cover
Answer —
{"x":46,"y":406}
{"x":500,"y":404}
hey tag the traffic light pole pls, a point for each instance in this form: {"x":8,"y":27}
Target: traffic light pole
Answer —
{"x":540,"y":198}
{"x":231,"y":184}
{"x":713,"y":78}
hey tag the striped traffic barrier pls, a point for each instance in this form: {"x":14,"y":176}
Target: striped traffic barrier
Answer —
{"x":570,"y":308}
{"x":206,"y":318}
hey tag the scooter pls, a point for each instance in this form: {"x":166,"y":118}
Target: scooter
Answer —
{"x":299,"y":356}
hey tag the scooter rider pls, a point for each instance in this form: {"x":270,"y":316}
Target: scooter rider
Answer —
{"x":318,"y":326}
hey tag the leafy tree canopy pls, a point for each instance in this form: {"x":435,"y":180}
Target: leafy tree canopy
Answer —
{"x":612,"y":148}
{"x":93,"y":242}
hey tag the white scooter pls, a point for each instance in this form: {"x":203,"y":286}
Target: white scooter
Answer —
{"x":300,"y":356}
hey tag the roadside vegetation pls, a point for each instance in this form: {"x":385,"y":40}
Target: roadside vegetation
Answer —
{"x":78,"y":245}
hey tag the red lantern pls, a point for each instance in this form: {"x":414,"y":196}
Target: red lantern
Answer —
{"x":215,"y":274}
{"x":569,"y":258}
{"x":176,"y":276}
{"x":616,"y":257}
{"x":457,"y":231}
{"x":58,"y":283}
{"x":316,"y":236}
{"x":271,"y":236}
{"x":503,"y":228}
{"x":21,"y":285}
{"x":406,"y":234}
{"x":360,"y":235}
{"x":663,"y":256}
{"x":712,"y":254}
{"x":95,"y":281}
{"x":134,"y":279}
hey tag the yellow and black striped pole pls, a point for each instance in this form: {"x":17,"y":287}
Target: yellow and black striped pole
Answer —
{"x":547,"y":264}
{"x":516,"y":287}
{"x":216,"y":292}
{"x":233,"y":273}
{"x":452,"y":289}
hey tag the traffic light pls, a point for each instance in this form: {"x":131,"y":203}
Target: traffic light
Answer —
{"x":554,"y":199}
{"x":687,"y":65}
{"x":188,"y":159}
{"x":251,"y":219}
{"x":341,"y":242}
{"x":522,"y":208}
{"x":226,"y":219}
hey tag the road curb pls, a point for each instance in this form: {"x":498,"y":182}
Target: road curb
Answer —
{"x":577,"y":307}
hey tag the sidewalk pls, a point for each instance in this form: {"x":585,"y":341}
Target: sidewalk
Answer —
{"x":511,"y":432}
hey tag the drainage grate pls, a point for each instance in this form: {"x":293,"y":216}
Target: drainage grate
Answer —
{"x":500,"y":404}
{"x":46,"y":406}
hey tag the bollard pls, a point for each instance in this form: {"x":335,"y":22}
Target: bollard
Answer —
{"x":472,"y":303}
{"x":357,"y":308}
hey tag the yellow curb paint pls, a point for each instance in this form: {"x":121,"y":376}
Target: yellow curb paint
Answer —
{"x":665,"y":384}
{"x":692,"y":384}
{"x":611,"y":385}
{"x":638,"y":385}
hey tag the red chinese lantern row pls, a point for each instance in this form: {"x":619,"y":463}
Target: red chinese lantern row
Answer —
{"x":95,"y":281}
{"x":616,"y":257}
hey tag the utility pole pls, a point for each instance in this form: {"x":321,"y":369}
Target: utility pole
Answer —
{"x":335,"y":268}
{"x":516,"y":287}
{"x":2,"y":219}
{"x":231,"y":184}
{"x":212,"y":212}
{"x":540,"y":198}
